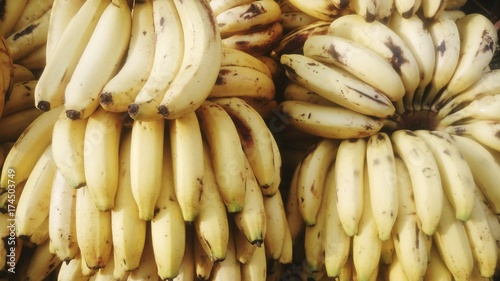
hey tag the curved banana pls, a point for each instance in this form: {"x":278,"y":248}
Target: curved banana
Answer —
{"x":127,"y":228}
{"x":436,"y":269}
{"x":22,"y":74}
{"x":365,"y":8}
{"x":147,"y":269}
{"x":122,"y":89}
{"x":311,"y":178}
{"x":201,"y":60}
{"x":168,"y":229}
{"x":407,"y":8}
{"x":146,"y":160}
{"x":59,"y":69}
{"x":257,"y":42}
{"x":187,"y":268}
{"x":424,"y":175}
{"x":321,"y":9}
{"x":337,"y":85}
{"x":7,"y":73}
{"x":277,"y":227}
{"x":294,"y":218}
{"x":278,"y":166}
{"x":256,"y":268}
{"x":228,"y":157}
{"x":187,"y":148}
{"x":219,"y":6}
{"x":35,"y":60}
{"x":167,"y":58}
{"x":483,"y":131}
{"x":32,"y":11}
{"x":62,"y":215}
{"x":349,"y":178}
{"x":12,"y":9}
{"x":291,"y":21}
{"x":384,"y":10}
{"x":68,"y":141}
{"x":29,"y":147}
{"x":491,"y":217}
{"x":327,"y":121}
{"x":235,"y":57}
{"x":101,"y":157}
{"x":72,"y":270}
{"x":13,"y":125}
{"x":42,"y":262}
{"x":358,"y":60}
{"x":483,"y":108}
{"x":203,"y":263}
{"x":21,"y":97}
{"x":294,"y":91}
{"x":81,"y":96}
{"x":432,"y":9}
{"x":244,"y":249}
{"x":229,"y":268}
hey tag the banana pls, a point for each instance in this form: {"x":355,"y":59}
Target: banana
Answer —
{"x":321,"y":9}
{"x":387,"y":252}
{"x":407,"y":8}
{"x":147,"y":269}
{"x":256,"y":268}
{"x":13,"y":125}
{"x":311,"y":178}
{"x":21,"y":97}
{"x":42,"y":263}
{"x":286,"y":256}
{"x":341,"y":4}
{"x":93,"y":231}
{"x":11,"y":10}
{"x":122,"y":89}
{"x":455,"y":4}
{"x":477,"y":46}
{"x":28,"y":148}
{"x":203,"y":264}
{"x":349,"y":178}
{"x":291,"y":21}
{"x":234,"y":57}
{"x":432,"y":9}
{"x":327,"y":121}
{"x":255,"y":138}
{"x":146,"y":164}
{"x":366,"y":245}
{"x":168,"y":230}
{"x":384,"y":41}
{"x":219,"y":6}
{"x":420,"y":43}
{"x":294,"y":218}
{"x":451,"y":240}
{"x":365,"y":8}
{"x":294,"y":91}
{"x":408,"y":238}
{"x":35,"y":60}
{"x":187,"y":148}
{"x":335,"y":240}
{"x":229,"y":268}
{"x":86,"y":271}
{"x":211,"y":224}
{"x":384,"y":10}
{"x":483,"y":166}
{"x":358,"y":60}
{"x":72,"y":270}
{"x":343,"y":88}
{"x":40,"y":235}
{"x":456,"y":176}
{"x":487,"y":84}
{"x":32,"y":11}
{"x":7,"y":77}
{"x":81,"y":96}
{"x":240,"y":81}
{"x":276,"y":226}
{"x":424,"y":176}
{"x":70,"y":46}
{"x":251,"y":220}
{"x":127,"y":228}
{"x":228,"y":157}
{"x":62,"y":12}
{"x":62,"y":215}
{"x":168,"y":52}
{"x":29,"y":37}
{"x":105,"y":273}
{"x":436,"y":269}
{"x":393,"y":271}
{"x":246,"y":17}
{"x":483,"y":108}
{"x":101,"y":157}
{"x":444,"y":33}
{"x":68,"y":140}
{"x":382,"y":177}
{"x":256,"y":42}
{"x":278,"y":169}
{"x":36,"y":194}
{"x":201,"y":60}
{"x":22,"y":74}
{"x":482,"y":240}
{"x":187,"y":268}
{"x":244,"y":249}
{"x":483,"y":131}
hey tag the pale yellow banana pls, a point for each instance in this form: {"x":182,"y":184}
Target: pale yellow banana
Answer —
{"x":229,"y":268}
{"x":276,"y":226}
{"x":257,"y":42}
{"x":42,"y":263}
{"x":12,"y":10}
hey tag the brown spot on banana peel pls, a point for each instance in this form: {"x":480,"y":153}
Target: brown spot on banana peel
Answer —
{"x":488,"y":42}
{"x":335,"y":55}
{"x":28,"y":30}
{"x":254,"y":10}
{"x":441,"y":48}
{"x":3,"y":4}
{"x":397,"y":59}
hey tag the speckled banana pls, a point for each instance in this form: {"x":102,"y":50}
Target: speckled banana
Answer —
{"x":68,"y":139}
{"x":407,"y":8}
{"x":227,"y":155}
{"x":122,"y":89}
{"x":483,"y":108}
{"x":327,"y":121}
{"x":62,"y":212}
{"x":358,"y":60}
{"x":81,"y":96}
{"x":244,"y":249}
{"x":146,"y":164}
{"x":491,"y":217}
{"x":424,"y":175}
{"x":219,"y":6}
{"x":483,"y":131}
{"x":201,"y":60}
{"x":258,"y":42}
{"x":32,"y":11}
{"x":13,"y":125}
{"x":168,"y":51}
{"x":278,"y":165}
{"x":13,"y":9}
{"x":365,"y":8}
{"x":29,"y":147}
{"x":276,"y":226}
{"x":127,"y":228}
{"x":293,"y":20}
{"x":101,"y":157}
{"x":42,"y":262}
{"x":408,"y":238}
{"x":477,"y":46}
{"x":203,"y":264}
{"x":387,"y":252}
{"x":21,"y":97}
{"x":311,"y":178}
{"x":294,"y":91}
{"x":235,"y":57}
{"x":456,"y":176}
{"x":168,"y":229}
{"x":59,"y":69}
{"x":36,"y":194}
{"x":187,"y":148}
{"x":245,"y":17}
{"x":320,"y":9}
{"x":349,"y":182}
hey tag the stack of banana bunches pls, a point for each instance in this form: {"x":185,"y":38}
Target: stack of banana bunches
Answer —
{"x":248,"y":140}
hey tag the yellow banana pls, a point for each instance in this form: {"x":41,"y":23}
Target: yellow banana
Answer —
{"x":12,"y":10}
{"x":42,"y":263}
{"x":229,"y":268}
{"x":13,"y":125}
{"x":276,"y":226}
{"x":257,"y":42}
{"x":21,"y":97}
